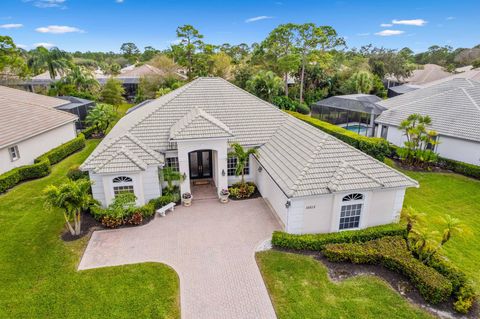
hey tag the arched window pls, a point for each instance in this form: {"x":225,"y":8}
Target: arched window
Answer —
{"x":351,"y":211}
{"x":122,"y":179}
{"x":122,"y":184}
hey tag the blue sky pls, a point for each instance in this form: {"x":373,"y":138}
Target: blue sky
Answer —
{"x":103,"y":25}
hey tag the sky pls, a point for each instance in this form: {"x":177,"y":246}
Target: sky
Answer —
{"x":103,"y":25}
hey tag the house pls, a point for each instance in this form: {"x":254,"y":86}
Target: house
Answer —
{"x":31,"y":125}
{"x":313,"y":182}
{"x":427,"y":73}
{"x":453,"y":106}
{"x":354,"y":112}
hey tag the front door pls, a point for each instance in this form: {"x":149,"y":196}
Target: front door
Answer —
{"x":200,"y":164}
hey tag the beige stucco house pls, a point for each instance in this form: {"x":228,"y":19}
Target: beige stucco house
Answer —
{"x":313,"y":182}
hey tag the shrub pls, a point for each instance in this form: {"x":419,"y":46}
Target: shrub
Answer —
{"x":164,"y":200}
{"x":111,"y":222}
{"x":74,"y":173}
{"x":318,"y":241}
{"x":242,"y":190}
{"x":135,"y":219}
{"x":146,"y":210}
{"x":373,"y":146}
{"x":59,"y":153}
{"x":22,"y":173}
{"x":459,"y":167}
{"x":302,"y":109}
{"x":392,"y":253}
{"x":89,"y":131}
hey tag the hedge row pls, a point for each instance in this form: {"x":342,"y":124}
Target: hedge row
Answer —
{"x":392,"y":253}
{"x":373,"y":146}
{"x":459,"y":167}
{"x":317,"y":242}
{"x":42,"y":164}
{"x":89,"y":131}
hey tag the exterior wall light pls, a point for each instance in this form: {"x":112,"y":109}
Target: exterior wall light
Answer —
{"x":287,"y":204}
{"x":260,"y":169}
{"x":223,"y":172}
{"x":184,"y":176}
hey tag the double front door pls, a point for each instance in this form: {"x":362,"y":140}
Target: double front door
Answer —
{"x":200,"y":164}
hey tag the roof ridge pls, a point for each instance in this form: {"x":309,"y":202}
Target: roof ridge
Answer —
{"x":143,"y":146}
{"x":132,"y":157}
{"x":341,"y":171}
{"x":471,"y":99}
{"x":306,"y":168}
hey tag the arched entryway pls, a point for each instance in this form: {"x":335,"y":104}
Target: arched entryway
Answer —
{"x":202,"y":174}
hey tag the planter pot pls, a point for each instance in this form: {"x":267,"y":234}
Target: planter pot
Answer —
{"x":224,"y":198}
{"x":187,"y":202}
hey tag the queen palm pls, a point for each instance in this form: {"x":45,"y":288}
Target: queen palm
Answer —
{"x":72,"y":198}
{"x":55,"y":61}
{"x":100,"y":117}
{"x":424,"y":241}
{"x":170,"y":175}
{"x":242,"y":157}
{"x":411,"y":217}
{"x":81,"y":78}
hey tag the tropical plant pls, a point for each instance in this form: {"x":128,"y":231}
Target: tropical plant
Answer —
{"x":72,"y":197}
{"x":266,"y":85}
{"x":170,"y":175}
{"x":162,"y":91}
{"x":55,"y":61}
{"x":11,"y":59}
{"x":112,"y":93}
{"x":100,"y":117}
{"x":360,"y":82}
{"x":418,"y":149}
{"x":423,"y":241}
{"x":81,"y":78}
{"x":242,"y":157}
{"x":411,"y":217}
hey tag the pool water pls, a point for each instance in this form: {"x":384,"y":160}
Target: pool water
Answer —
{"x":360,"y":129}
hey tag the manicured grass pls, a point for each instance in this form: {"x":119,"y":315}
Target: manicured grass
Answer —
{"x":38,"y":270}
{"x":458,"y":196}
{"x":300,"y":288}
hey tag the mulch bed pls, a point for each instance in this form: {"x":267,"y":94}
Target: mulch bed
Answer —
{"x":339,"y":271}
{"x":428,"y":169}
{"x":256,"y":194}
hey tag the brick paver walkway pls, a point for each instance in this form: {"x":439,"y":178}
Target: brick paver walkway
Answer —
{"x":210,"y":245}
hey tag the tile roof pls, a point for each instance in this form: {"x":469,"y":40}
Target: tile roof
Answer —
{"x":198,"y":124}
{"x":301,"y":159}
{"x":24,"y":114}
{"x":454,"y":107}
{"x":428,"y":73}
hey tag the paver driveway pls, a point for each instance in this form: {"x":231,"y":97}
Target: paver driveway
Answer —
{"x":210,"y":245}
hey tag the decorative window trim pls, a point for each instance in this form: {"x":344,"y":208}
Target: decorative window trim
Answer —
{"x":232,"y":166}
{"x":14,"y":153}
{"x":351,"y":210}
{"x":122,"y":184}
{"x":122,"y":179}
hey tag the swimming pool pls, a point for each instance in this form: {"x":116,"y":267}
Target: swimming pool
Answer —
{"x":357,"y":128}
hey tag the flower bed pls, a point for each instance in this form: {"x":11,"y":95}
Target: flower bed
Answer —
{"x":242,"y":190}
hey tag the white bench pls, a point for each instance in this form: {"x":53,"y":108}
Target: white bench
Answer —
{"x":163,"y":210}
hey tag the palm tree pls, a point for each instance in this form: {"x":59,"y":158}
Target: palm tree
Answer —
{"x":55,"y":61}
{"x":100,"y":117}
{"x":411,"y":217}
{"x":242,"y":157}
{"x":81,"y":78}
{"x":72,"y":197}
{"x":424,"y":241}
{"x":170,"y":175}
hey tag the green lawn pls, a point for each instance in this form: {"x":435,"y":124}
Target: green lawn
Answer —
{"x":38,"y":270}
{"x":458,"y":196}
{"x":299,"y":288}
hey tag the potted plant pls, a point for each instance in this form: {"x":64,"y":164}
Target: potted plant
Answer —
{"x":224,"y":193}
{"x":187,"y":199}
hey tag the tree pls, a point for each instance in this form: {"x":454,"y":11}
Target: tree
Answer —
{"x":148,"y":53}
{"x":11,"y":59}
{"x":242,"y":157}
{"x":359,"y":82}
{"x":281,"y":44}
{"x":476,"y":64}
{"x":130,"y":52}
{"x":100,"y":117}
{"x":412,"y":218}
{"x":162,"y":91}
{"x":170,"y":175}
{"x":82,"y":79}
{"x":164,"y":63}
{"x":424,"y":241}
{"x":112,"y":93}
{"x":190,"y":41}
{"x":55,"y":61}
{"x":72,"y":197}
{"x":418,"y":149}
{"x":266,"y":85}
{"x":221,"y":65}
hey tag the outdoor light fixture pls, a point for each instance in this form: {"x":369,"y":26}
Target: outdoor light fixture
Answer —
{"x":184,"y":176}
{"x":223,"y":172}
{"x":260,"y":169}
{"x":287,"y":204}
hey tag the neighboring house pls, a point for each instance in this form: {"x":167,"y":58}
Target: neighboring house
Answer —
{"x":427,"y":73}
{"x":401,"y":89}
{"x":31,"y":125}
{"x":314,"y":182}
{"x":454,"y":107}
{"x":354,"y":112}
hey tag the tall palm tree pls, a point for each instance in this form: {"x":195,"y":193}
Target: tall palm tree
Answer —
{"x":55,"y":61}
{"x":242,"y":157}
{"x":72,"y":197}
{"x":100,"y":117}
{"x":81,"y":78}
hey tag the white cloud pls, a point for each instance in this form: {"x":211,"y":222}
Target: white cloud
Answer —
{"x":22,"y":46}
{"x":46,"y":45}
{"x":450,"y":18}
{"x":385,"y":25}
{"x":11,"y":26}
{"x":363,"y":34}
{"x":48,"y":3}
{"x":415,"y":22}
{"x":258,"y":19}
{"x":388,"y":33}
{"x":58,"y":29}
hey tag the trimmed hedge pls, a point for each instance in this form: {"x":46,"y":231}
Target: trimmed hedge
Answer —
{"x":392,"y":253}
{"x":42,"y":164}
{"x":317,"y":242}
{"x":466,"y":169}
{"x":373,"y":146}
{"x":89,"y":131}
